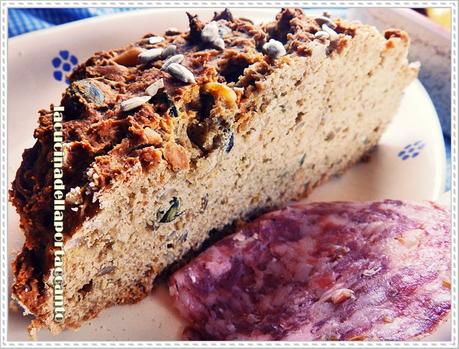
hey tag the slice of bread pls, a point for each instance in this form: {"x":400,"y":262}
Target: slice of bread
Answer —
{"x":244,"y":118}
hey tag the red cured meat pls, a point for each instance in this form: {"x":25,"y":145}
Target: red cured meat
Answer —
{"x":323,"y":271}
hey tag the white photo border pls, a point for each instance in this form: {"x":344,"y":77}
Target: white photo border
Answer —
{"x":4,"y":301}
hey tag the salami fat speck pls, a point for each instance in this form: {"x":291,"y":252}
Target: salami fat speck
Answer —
{"x":323,"y":271}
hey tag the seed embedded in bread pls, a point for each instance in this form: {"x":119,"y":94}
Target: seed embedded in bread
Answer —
{"x":274,"y":49}
{"x":129,"y":58}
{"x":150,"y":55}
{"x":155,"y":39}
{"x":153,"y":89}
{"x":173,"y":59}
{"x":181,"y":72}
{"x":169,"y":51}
{"x":211,"y":34}
{"x":134,"y":102}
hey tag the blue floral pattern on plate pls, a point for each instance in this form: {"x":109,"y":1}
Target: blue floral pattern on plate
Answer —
{"x":411,"y":150}
{"x":63,"y":63}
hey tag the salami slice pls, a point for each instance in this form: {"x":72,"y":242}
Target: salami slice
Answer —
{"x":323,"y":271}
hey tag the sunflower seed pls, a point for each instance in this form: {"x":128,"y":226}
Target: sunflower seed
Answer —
{"x":330,"y":31}
{"x":223,"y":30}
{"x":134,"y":102}
{"x":180,"y":72}
{"x":173,"y":59}
{"x":150,"y":55}
{"x":210,"y":34}
{"x":154,"y":87}
{"x":322,"y":35}
{"x":274,"y":49}
{"x":325,"y":20}
{"x":169,"y":51}
{"x":155,"y":39}
{"x":219,"y":43}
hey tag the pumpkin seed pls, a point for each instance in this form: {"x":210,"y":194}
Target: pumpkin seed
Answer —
{"x":173,"y":112}
{"x":93,"y":93}
{"x":302,"y":160}
{"x":184,"y":237}
{"x":204,"y":203}
{"x":90,"y":92}
{"x":230,"y":143}
{"x":172,"y":212}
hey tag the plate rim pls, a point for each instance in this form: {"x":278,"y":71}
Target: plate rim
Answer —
{"x":441,"y":189}
{"x":132,"y":13}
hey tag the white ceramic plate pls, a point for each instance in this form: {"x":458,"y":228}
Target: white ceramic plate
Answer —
{"x":408,"y":164}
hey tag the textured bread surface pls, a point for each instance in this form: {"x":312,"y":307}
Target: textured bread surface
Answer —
{"x":252,"y":132}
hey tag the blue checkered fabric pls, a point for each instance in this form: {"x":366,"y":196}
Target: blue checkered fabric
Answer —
{"x":23,"y":20}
